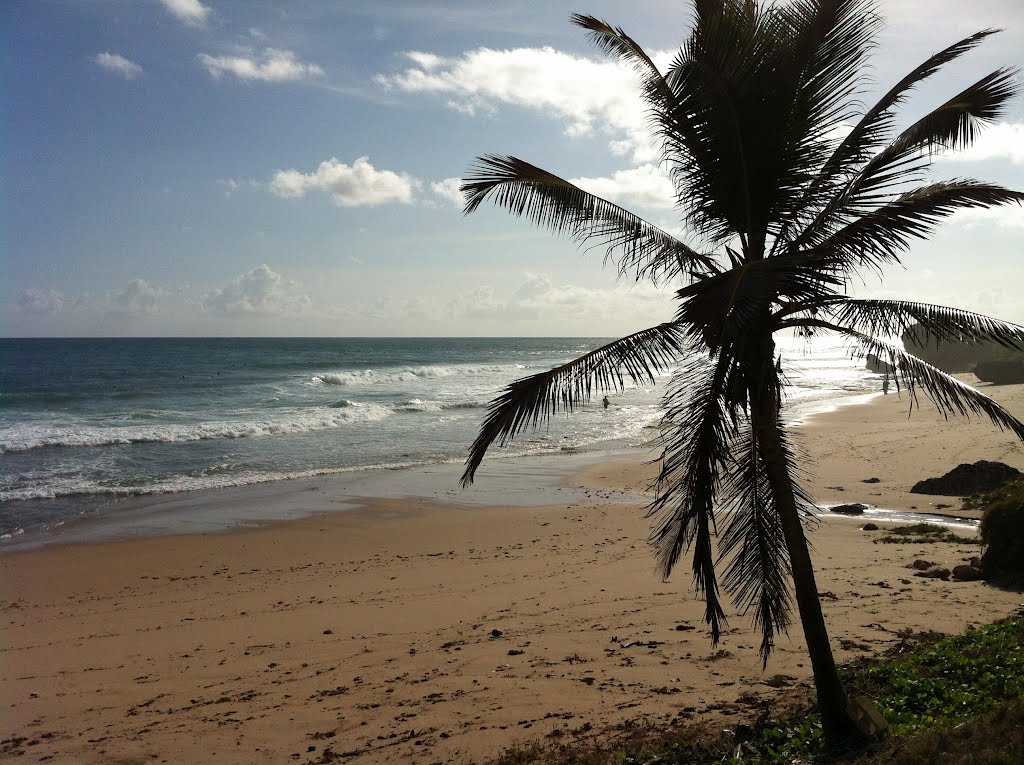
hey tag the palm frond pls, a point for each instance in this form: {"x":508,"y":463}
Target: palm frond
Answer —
{"x":891,"y":318}
{"x":880,"y":235}
{"x":546,"y":200}
{"x":529,"y":401}
{"x":698,"y":427}
{"x":725,"y":307}
{"x":857,"y":145}
{"x":953,"y":125}
{"x":754,"y":543}
{"x":614,"y":41}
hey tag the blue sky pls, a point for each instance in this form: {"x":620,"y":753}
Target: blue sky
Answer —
{"x":195,"y":167}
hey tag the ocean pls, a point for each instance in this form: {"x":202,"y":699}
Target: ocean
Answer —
{"x":85,"y":422}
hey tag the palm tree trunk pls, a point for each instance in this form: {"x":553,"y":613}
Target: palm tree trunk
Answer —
{"x":837,"y":725}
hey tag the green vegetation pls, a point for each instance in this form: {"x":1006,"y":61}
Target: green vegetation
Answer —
{"x":1002,"y":530}
{"x":924,"y":532}
{"x":949,"y":701}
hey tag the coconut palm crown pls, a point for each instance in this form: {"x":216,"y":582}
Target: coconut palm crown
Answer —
{"x":791,"y":191}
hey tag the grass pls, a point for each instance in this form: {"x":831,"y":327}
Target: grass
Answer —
{"x":949,"y":701}
{"x":924,"y":532}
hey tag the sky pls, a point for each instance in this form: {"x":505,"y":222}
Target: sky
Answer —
{"x":215,"y":168}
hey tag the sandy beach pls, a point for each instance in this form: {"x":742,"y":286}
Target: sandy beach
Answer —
{"x":433,"y":632}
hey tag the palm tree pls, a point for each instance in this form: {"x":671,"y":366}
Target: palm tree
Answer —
{"x":788,"y":203}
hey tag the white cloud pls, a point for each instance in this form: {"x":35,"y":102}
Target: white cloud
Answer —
{"x":139,"y":298}
{"x":190,"y":11}
{"x":539,"y":298}
{"x":260,"y":292}
{"x":643,"y":186}
{"x":449,"y":189}
{"x":112,"y":62}
{"x":357,"y":185}
{"x":1005,"y":216}
{"x":583,"y":92}
{"x":269,"y":65}
{"x":999,"y":141}
{"x":38,"y":302}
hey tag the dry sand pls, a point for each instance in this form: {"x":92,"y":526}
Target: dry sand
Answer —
{"x":416,"y":632}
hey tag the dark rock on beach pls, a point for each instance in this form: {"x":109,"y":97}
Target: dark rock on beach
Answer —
{"x":935,"y":572}
{"x":854,"y":508}
{"x":967,"y":573}
{"x":966,"y":479}
{"x":869,"y":527}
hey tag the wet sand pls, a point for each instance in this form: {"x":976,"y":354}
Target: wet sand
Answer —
{"x":421,"y":630}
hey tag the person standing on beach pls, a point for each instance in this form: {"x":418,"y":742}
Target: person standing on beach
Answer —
{"x":885,"y":385}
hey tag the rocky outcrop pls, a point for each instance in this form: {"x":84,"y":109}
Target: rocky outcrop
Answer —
{"x":855,"y":508}
{"x":956,"y":356}
{"x":1000,"y":372}
{"x":965,"y":479}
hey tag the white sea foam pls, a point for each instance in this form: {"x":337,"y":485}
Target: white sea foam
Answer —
{"x":25,"y":436}
{"x":408,"y":374}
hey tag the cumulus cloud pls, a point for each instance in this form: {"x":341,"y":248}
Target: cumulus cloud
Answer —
{"x":117,"y":64}
{"x":583,"y":92}
{"x":357,"y":185}
{"x":259,"y":292}
{"x":449,"y":189}
{"x":538,"y":297}
{"x":268,"y":65}
{"x":139,"y":298}
{"x":643,"y":186}
{"x":190,"y":11}
{"x":39,"y":302}
{"x":999,"y":141}
{"x":1009,"y":216}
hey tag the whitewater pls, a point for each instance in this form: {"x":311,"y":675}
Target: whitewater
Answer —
{"x":85,"y":422}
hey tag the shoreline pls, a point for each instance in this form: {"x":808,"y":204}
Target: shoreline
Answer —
{"x":428,"y":630}
{"x":216,"y":509}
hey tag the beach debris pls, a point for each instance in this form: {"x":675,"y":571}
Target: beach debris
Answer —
{"x":869,"y":527}
{"x":778,"y":681}
{"x":829,"y":595}
{"x":684,"y":627}
{"x":871,"y":480}
{"x":515,"y":652}
{"x":853,"y":508}
{"x":967,"y":573}
{"x":966,"y":479}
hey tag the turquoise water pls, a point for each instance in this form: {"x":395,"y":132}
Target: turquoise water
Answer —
{"x":83,"y":422}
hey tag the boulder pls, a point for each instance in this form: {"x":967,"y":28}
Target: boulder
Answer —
{"x":869,"y":527}
{"x":965,"y":479}
{"x":1000,"y":372}
{"x":875,"y":364}
{"x":967,"y":573}
{"x":854,"y":508}
{"x":921,"y":565}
